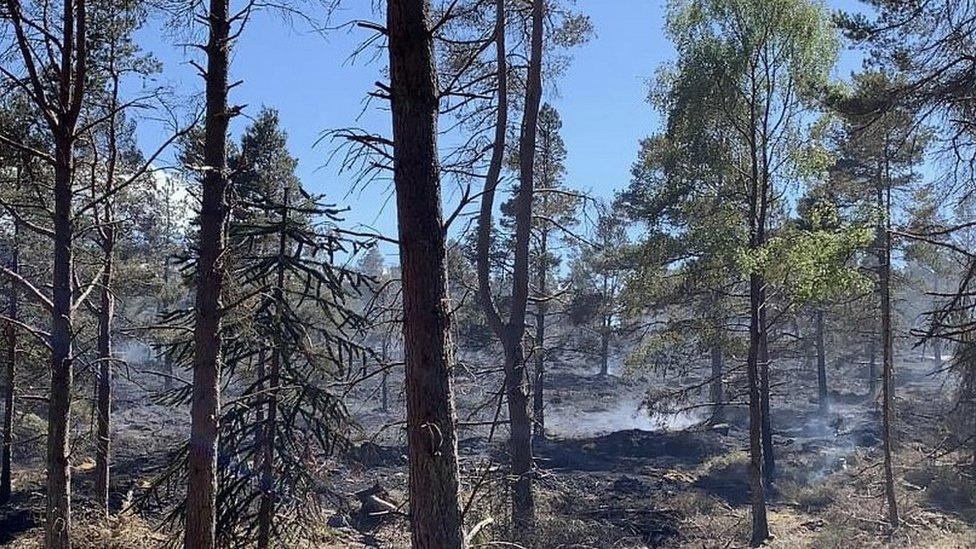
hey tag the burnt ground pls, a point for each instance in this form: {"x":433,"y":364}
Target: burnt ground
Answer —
{"x":609,"y":475}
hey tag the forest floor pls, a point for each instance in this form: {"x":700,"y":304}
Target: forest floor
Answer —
{"x":609,"y":475}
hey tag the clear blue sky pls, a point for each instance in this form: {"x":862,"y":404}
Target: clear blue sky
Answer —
{"x":311,"y":81}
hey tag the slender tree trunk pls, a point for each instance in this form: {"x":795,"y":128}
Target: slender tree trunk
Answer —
{"x":10,"y":366}
{"x":757,"y":360}
{"x":523,"y":505}
{"x":716,"y":390}
{"x":539,"y":383}
{"x":887,"y":389}
{"x":822,"y":396}
{"x":268,"y":489}
{"x":435,"y":513}
{"x":59,"y":408}
{"x":205,"y":406}
{"x":760,"y":527}
{"x":769,"y":456}
{"x":106,"y":310}
{"x":605,"y":347}
{"x":384,"y":378}
{"x":105,"y":318}
{"x":873,"y":367}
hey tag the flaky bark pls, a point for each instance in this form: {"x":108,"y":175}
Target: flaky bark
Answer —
{"x":435,"y":513}
{"x":205,"y":404}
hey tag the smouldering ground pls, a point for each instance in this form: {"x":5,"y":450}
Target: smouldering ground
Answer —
{"x":608,"y":477}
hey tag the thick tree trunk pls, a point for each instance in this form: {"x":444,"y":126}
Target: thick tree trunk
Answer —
{"x":887,"y":384}
{"x":58,"y":523}
{"x":205,"y":405}
{"x":520,"y":441}
{"x":822,"y":396}
{"x":435,"y":513}
{"x":10,"y":369}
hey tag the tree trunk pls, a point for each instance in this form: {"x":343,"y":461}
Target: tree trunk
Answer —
{"x":268,"y":489}
{"x":760,"y":527}
{"x":936,"y":340}
{"x":10,"y":367}
{"x":716,"y":390}
{"x":384,"y":377}
{"x":59,"y":407}
{"x":757,"y":360}
{"x":822,"y":396}
{"x":538,"y":383}
{"x":873,"y":367}
{"x":520,"y":439}
{"x":205,"y":406}
{"x":769,"y":457}
{"x":523,"y":506}
{"x":605,"y":347}
{"x":106,"y":309}
{"x":887,"y":384}
{"x":435,"y":513}
{"x":106,"y":314}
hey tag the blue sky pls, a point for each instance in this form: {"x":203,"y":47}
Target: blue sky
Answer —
{"x":310,"y":79}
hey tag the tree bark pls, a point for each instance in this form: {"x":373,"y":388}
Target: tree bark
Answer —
{"x":384,"y":377}
{"x":205,"y":405}
{"x":822,"y":396}
{"x":757,"y":358}
{"x":511,"y":333}
{"x":106,"y":310}
{"x":268,"y":489}
{"x":538,"y":383}
{"x":873,"y":367}
{"x":59,"y":408}
{"x":104,"y":413}
{"x":605,"y":346}
{"x":716,"y":390}
{"x":10,"y":366}
{"x":435,"y":513}
{"x":760,"y":527}
{"x":887,"y":383}
{"x":769,"y":457}
{"x":57,"y":85}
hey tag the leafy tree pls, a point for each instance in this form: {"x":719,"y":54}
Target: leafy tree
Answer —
{"x":753,"y":64}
